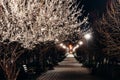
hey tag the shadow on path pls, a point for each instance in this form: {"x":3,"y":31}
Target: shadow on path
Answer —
{"x":69,"y":69}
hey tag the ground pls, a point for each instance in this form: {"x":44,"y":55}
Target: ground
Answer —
{"x":69,"y":69}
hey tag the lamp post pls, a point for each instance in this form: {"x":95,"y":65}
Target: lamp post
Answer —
{"x":87,"y":37}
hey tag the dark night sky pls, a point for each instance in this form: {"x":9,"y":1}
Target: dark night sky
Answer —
{"x":94,"y":7}
{"x":97,"y":5}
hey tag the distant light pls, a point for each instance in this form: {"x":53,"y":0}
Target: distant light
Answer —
{"x":64,"y":46}
{"x":80,"y":42}
{"x":77,"y":46}
{"x":74,"y":49}
{"x":61,"y":44}
{"x":70,"y":47}
{"x":87,"y":36}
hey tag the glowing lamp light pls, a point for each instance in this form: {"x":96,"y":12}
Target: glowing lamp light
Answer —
{"x":87,"y":36}
{"x":80,"y":42}
{"x":77,"y":46}
{"x":61,"y":44}
{"x":74,"y":49}
{"x":64,"y":47}
{"x":70,"y":47}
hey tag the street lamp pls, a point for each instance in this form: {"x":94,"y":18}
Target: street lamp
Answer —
{"x":63,"y":46}
{"x":87,"y":36}
{"x":80,"y":42}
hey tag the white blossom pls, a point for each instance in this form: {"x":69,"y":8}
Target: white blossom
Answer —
{"x":33,"y":21}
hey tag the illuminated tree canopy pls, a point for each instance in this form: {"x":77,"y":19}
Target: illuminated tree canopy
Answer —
{"x":34,"y":21}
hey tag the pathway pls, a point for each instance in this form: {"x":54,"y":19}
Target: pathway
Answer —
{"x":69,"y":69}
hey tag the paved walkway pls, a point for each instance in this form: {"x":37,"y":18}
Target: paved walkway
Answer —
{"x":69,"y":69}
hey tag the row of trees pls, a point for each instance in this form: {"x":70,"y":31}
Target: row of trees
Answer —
{"x":108,"y":30}
{"x":103,"y":52}
{"x":29,"y":30}
{"x":33,"y":21}
{"x":17,"y":62}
